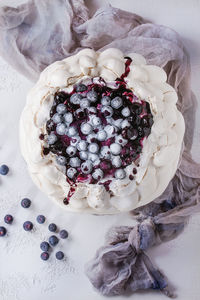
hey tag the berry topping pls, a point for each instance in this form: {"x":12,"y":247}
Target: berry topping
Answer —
{"x":59,"y":255}
{"x":44,"y":246}
{"x":8,"y":219}
{"x":63,"y":234}
{"x":4,"y":170}
{"x":28,"y":226}
{"x":52,"y":227}
{"x":44,"y":256}
{"x":26,"y":203}
{"x":2,"y":231}
{"x":53,"y":240}
{"x":96,"y":131}
{"x":41,"y":219}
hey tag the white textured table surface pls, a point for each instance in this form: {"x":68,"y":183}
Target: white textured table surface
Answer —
{"x":22,"y":274}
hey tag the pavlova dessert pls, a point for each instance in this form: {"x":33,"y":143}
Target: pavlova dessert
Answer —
{"x":101,"y":131}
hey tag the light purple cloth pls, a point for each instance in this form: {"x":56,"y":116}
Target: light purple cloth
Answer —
{"x":40,"y":32}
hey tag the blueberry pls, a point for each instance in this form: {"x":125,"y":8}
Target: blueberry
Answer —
{"x":85,"y":103}
{"x":40,"y":219}
{"x":8,"y":219}
{"x":101,"y":135}
{"x":116,"y":102}
{"x":116,"y":161}
{"x":96,"y":121}
{"x":120,"y":140}
{"x":115,"y":148}
{"x":49,"y":126}
{"x":80,"y":113}
{"x":92,"y":110}
{"x":125,"y":123}
{"x":86,"y":167}
{"x":52,"y":138}
{"x":61,"y":108}
{"x":110,"y":130}
{"x":60,"y":97}
{"x":28,"y":226}
{"x":74,"y":162}
{"x":61,"y":129}
{"x":105,"y":100}
{"x":57,"y":118}
{"x":82,"y":145}
{"x":71,"y":150}
{"x":93,"y":148}
{"x":2,"y":231}
{"x":132,"y":133}
{"x":75,"y":140}
{"x":120,"y":174}
{"x":125,"y":112}
{"x":71,"y":172}
{"x":83,"y":155}
{"x":118,"y":123}
{"x":92,"y":96}
{"x":107,"y":111}
{"x":26,"y":203}
{"x":59,"y":255}
{"x":98,"y":174}
{"x":53,"y":240}
{"x":105,"y":152}
{"x":63,"y":234}
{"x":44,"y":256}
{"x":61,"y":160}
{"x":137,"y":108}
{"x":146,"y":131}
{"x":44,"y":246}
{"x":4,"y":170}
{"x":68,"y":117}
{"x":86,"y":128}
{"x":75,"y":99}
{"x":91,"y":137}
{"x":81,"y":87}
{"x":94,"y":158}
{"x":52,"y":227}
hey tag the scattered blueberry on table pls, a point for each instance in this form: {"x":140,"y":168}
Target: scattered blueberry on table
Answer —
{"x":52,"y":227}
{"x":2,"y":231}
{"x":59,"y":255}
{"x":4,"y":170}
{"x":44,"y":255}
{"x":63,"y":234}
{"x":44,"y":246}
{"x":8,"y":219}
{"x":53,"y":240}
{"x":28,"y":226}
{"x":40,"y":219}
{"x":26,"y":203}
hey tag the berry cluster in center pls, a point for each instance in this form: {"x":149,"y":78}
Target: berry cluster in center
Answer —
{"x":97,"y":131}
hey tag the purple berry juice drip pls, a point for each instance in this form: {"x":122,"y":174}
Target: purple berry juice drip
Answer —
{"x":97,"y":131}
